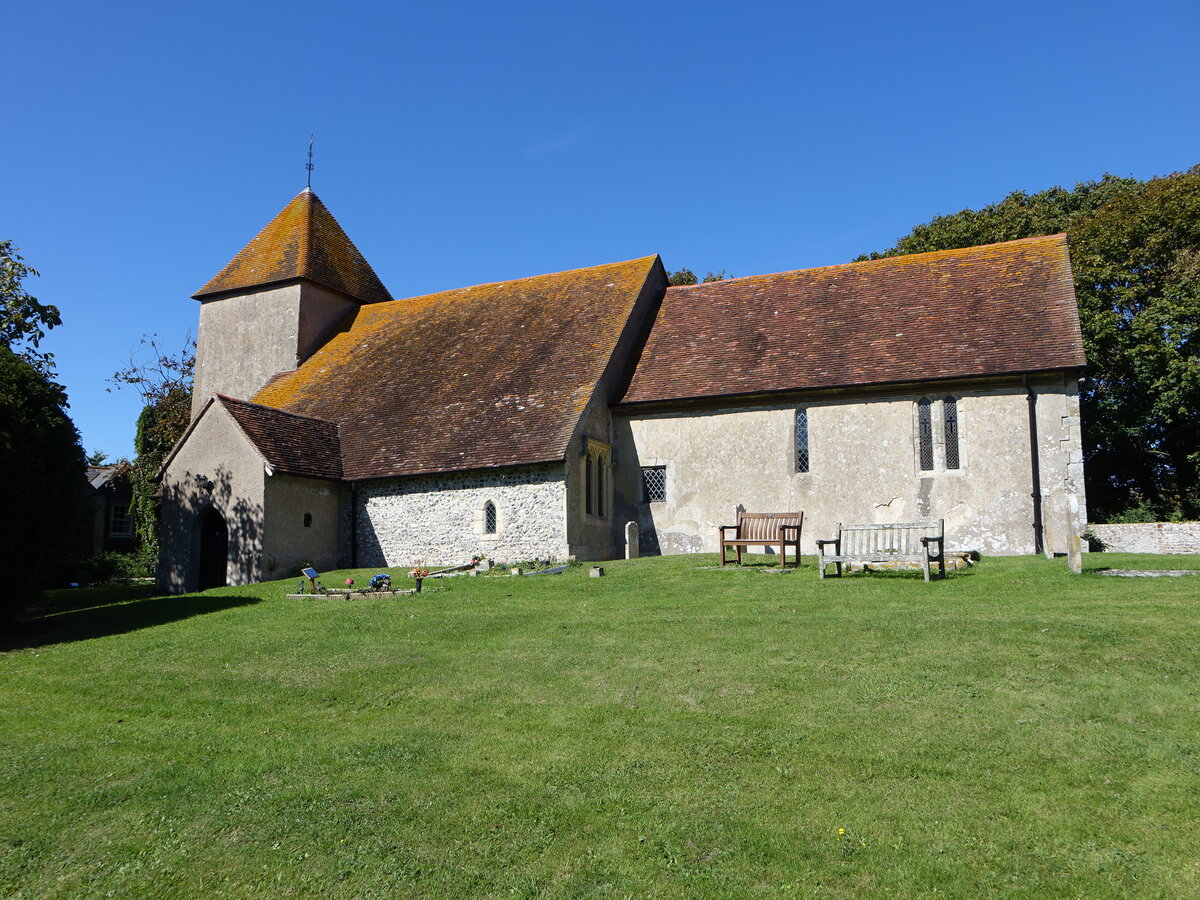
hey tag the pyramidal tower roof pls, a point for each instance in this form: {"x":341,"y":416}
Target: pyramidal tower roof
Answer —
{"x":306,"y":242}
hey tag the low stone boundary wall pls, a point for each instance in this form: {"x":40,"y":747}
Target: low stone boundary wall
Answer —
{"x":1150,"y":537}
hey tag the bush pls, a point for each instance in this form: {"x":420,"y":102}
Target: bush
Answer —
{"x":111,"y":567}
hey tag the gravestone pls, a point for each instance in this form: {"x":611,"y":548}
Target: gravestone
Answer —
{"x":631,"y":540}
{"x":1075,"y":554}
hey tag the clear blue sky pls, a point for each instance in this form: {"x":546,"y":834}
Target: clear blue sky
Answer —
{"x":459,"y":143}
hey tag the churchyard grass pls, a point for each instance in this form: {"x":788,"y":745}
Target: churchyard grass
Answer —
{"x":667,"y":730}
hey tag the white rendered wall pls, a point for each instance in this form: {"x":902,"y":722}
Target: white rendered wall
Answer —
{"x":216,"y":452}
{"x":863,"y":469}
{"x":247,"y":338}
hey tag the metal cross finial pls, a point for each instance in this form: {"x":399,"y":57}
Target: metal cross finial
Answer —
{"x":309,"y":166}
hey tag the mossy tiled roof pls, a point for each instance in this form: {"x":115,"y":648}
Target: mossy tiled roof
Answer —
{"x":996,"y":309}
{"x":291,"y":444}
{"x":491,"y":375}
{"x":306,"y":242}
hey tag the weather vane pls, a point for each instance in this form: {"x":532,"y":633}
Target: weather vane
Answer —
{"x":309,"y":166}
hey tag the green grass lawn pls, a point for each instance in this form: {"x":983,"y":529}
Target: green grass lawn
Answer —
{"x":668,"y":730}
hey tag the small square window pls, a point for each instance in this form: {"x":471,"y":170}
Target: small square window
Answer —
{"x":654,"y":484}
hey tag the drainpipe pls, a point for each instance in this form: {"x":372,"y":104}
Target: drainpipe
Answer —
{"x":1031,"y":397}
{"x":354,"y":525}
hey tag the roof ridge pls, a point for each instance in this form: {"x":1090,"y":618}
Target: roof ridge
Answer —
{"x":486,"y":284}
{"x":908,"y":257}
{"x":306,"y":236}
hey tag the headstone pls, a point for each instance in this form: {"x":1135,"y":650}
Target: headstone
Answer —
{"x":484,"y":565}
{"x":1075,"y":554}
{"x":596,"y":572}
{"x":631,"y":540}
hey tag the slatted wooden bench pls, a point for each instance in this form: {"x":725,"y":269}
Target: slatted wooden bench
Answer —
{"x":765,"y":529}
{"x":919,"y":542}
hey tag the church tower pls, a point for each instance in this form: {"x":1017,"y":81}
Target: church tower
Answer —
{"x":278,"y":301}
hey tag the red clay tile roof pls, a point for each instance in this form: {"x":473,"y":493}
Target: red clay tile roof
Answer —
{"x":989,"y":310}
{"x":303,"y":241}
{"x":492,"y":375}
{"x":292,"y":444}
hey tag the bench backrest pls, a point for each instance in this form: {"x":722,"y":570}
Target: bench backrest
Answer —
{"x":901,"y":538}
{"x":765,"y":526}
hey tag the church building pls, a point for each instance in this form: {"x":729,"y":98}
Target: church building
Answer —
{"x":335,"y":426}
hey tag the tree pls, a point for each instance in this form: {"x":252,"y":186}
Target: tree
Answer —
{"x":685,"y":277}
{"x":1135,"y":251}
{"x":23,"y":320}
{"x":164,"y":381}
{"x":44,"y":464}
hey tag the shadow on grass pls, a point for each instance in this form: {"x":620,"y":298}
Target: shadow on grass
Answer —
{"x":68,"y":621}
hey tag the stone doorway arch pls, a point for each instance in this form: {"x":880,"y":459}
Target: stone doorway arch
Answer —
{"x":214,"y":550}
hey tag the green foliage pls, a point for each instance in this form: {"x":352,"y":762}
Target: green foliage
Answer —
{"x":23,"y":320}
{"x":1135,"y":250}
{"x":685,"y":277}
{"x":43,"y":466}
{"x":113,"y":568}
{"x":164,"y":381}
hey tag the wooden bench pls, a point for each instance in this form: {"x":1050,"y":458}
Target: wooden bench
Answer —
{"x":766,"y":529}
{"x":922,"y":542}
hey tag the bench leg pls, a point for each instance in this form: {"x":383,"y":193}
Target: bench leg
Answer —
{"x":925,"y":566}
{"x":820,"y":567}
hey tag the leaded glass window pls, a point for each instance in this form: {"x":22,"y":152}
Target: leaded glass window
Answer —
{"x":654,"y":484}
{"x":489,"y":518}
{"x":600,"y":466}
{"x":925,"y":434}
{"x":802,"y":440}
{"x":950,"y":429}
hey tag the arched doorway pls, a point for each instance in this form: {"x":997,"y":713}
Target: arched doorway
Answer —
{"x":214,"y":550}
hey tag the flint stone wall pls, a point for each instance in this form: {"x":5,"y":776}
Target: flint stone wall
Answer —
{"x":439,"y":519}
{"x":1150,"y":537}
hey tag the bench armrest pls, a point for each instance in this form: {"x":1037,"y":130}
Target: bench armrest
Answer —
{"x":822,"y":544}
{"x":795,"y":528}
{"x":928,"y":540}
{"x":725,"y":528}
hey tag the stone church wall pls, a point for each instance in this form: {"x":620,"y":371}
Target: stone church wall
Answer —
{"x":1150,"y":537}
{"x":440,"y":519}
{"x":863,"y":468}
